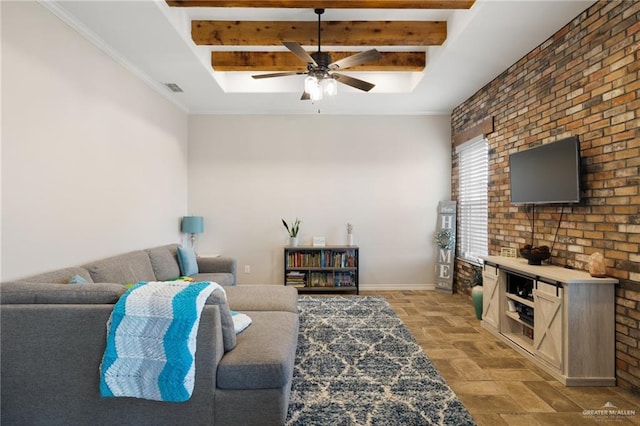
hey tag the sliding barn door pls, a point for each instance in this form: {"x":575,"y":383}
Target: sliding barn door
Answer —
{"x":547,"y":332}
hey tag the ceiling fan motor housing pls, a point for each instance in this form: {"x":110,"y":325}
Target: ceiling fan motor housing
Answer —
{"x":323,"y":60}
{"x":320,"y":67}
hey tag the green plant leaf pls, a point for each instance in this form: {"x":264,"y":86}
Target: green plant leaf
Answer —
{"x":287,"y":228}
{"x":295,"y":227}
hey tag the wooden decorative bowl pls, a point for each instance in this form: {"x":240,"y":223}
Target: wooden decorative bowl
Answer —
{"x":535,"y":258}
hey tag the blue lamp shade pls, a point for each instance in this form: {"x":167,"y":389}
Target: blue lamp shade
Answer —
{"x":192,"y":225}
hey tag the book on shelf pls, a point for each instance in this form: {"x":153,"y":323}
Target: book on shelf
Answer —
{"x":344,"y":279}
{"x":321,"y":259}
{"x":328,"y":279}
{"x":295,"y":278}
{"x":321,"y":279}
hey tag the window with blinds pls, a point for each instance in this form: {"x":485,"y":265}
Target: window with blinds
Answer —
{"x":473,"y":201}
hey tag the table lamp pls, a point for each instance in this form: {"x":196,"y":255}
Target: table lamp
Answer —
{"x":192,"y":225}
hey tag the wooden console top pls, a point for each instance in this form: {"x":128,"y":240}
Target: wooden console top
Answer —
{"x":550,"y":272}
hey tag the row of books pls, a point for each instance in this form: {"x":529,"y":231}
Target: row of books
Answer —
{"x":321,"y":259}
{"x":295,"y":278}
{"x":320,"y":279}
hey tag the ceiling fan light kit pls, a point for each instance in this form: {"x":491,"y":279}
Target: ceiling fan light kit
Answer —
{"x":330,"y":87}
{"x":321,"y":79}
{"x":317,"y":88}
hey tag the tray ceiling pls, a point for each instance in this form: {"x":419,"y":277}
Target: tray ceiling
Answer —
{"x":435,"y":53}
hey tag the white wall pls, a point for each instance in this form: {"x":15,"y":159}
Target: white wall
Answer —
{"x":385,"y":174}
{"x":93,"y":160}
{"x":94,"y":163}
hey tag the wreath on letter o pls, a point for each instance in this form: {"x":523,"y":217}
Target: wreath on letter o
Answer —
{"x":445,"y":239}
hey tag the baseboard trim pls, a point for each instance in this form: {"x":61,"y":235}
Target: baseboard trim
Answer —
{"x":396,"y":287}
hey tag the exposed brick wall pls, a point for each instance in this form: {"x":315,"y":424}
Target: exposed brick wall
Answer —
{"x":583,"y":81}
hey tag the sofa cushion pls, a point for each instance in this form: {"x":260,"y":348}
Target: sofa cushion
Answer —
{"x":187,"y":261}
{"x":59,"y":276}
{"x":263,"y":298}
{"x":125,"y":268}
{"x":70,"y":294}
{"x":264,"y":355}
{"x":164,"y":262}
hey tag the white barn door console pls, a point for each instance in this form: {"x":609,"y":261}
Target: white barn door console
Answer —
{"x":561,"y":319}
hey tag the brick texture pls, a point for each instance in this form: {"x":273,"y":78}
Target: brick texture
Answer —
{"x":583,"y":81}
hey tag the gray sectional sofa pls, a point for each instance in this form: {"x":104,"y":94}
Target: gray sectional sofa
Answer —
{"x":53,"y":337}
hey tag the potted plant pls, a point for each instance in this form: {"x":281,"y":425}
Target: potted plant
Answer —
{"x":293,"y":231}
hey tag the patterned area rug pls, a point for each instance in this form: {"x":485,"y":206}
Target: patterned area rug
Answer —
{"x":357,"y":364}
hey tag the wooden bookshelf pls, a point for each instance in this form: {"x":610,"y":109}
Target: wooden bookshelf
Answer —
{"x":330,"y":269}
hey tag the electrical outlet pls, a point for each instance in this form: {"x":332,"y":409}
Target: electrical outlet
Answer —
{"x":247,"y":269}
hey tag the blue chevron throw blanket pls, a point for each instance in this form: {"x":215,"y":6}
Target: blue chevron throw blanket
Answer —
{"x":151,"y":341}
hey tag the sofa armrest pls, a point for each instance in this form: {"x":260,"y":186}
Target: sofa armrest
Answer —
{"x":212,"y":265}
{"x":50,"y":357}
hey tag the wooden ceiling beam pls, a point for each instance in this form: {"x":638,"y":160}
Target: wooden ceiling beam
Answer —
{"x":286,"y":61}
{"x":328,"y":4}
{"x":336,"y":33}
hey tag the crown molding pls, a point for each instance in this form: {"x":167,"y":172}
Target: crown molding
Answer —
{"x":97,"y":41}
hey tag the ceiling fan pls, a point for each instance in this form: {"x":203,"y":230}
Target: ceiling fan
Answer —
{"x":321,"y":78}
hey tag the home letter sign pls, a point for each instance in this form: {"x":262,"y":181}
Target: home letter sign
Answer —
{"x":446,"y":245}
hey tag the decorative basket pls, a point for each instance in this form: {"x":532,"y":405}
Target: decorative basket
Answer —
{"x":535,"y":257}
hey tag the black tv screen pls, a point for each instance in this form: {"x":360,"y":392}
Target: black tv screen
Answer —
{"x":546,"y":174}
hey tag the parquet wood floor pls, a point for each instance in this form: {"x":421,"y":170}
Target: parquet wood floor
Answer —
{"x":496,"y":384}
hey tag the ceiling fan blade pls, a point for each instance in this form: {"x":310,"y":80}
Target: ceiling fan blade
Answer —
{"x":357,"y":59}
{"x":353,"y":82}
{"x":305,"y":96}
{"x":298,"y":50}
{"x":277,"y":74}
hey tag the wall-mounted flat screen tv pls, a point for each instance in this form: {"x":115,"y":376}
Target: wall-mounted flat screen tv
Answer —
{"x":546,"y":174}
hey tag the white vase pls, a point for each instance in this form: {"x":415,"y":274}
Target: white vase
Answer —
{"x":349,"y":239}
{"x":293,"y":241}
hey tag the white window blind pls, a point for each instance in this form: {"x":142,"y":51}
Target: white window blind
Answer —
{"x":472,"y":198}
